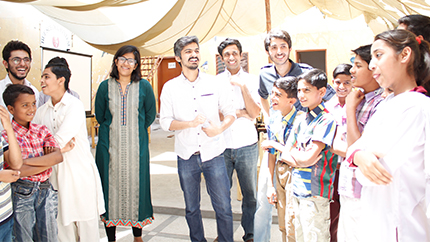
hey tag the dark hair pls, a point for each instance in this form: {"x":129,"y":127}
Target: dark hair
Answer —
{"x":14,"y":45}
{"x":364,"y":53}
{"x":419,"y":68}
{"x":288,"y":84}
{"x":315,"y":77}
{"x":279,"y":34}
{"x":342,"y":69}
{"x":12,"y":92}
{"x":136,"y":75}
{"x":60,"y":68}
{"x":182,"y":42}
{"x":417,"y":24}
{"x":228,"y":42}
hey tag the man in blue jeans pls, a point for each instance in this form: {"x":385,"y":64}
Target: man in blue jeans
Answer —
{"x":190,"y":106}
{"x":241,"y":137}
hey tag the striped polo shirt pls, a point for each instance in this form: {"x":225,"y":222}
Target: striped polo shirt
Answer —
{"x":5,"y":192}
{"x":317,"y":125}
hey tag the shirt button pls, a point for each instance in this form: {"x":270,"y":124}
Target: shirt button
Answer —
{"x":195,"y":110}
{"x":200,"y":146}
{"x":194,"y":98}
{"x":198,"y":133}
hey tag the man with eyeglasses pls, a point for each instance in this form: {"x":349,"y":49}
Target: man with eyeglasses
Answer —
{"x":17,"y":61}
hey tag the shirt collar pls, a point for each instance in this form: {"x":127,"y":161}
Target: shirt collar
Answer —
{"x":184,"y":78}
{"x":65,"y":100}
{"x":228,"y":73}
{"x":312,"y":114}
{"x":370,"y":95}
{"x":21,"y":130}
{"x":8,"y":81}
{"x":289,"y":118}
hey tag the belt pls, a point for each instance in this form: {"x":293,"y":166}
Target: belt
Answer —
{"x":197,"y":153}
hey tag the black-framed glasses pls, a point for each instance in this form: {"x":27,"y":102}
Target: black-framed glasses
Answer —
{"x":17,"y":60}
{"x":130,"y":61}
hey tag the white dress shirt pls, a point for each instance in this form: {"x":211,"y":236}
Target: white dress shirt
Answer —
{"x":400,"y":132}
{"x":80,"y":195}
{"x":183,"y":100}
{"x":5,"y":82}
{"x":242,"y":132}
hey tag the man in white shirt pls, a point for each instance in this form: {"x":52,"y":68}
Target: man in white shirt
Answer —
{"x":241,"y":137}
{"x":190,"y":106}
{"x":17,"y":61}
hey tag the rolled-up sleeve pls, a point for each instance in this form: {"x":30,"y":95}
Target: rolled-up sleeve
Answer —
{"x":166,"y":108}
{"x":225,"y":104}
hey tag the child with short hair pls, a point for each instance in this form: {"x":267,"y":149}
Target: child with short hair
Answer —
{"x":313,"y":171}
{"x":360,"y":107}
{"x":11,"y":155}
{"x":34,"y":199}
{"x":336,"y":106}
{"x":284,"y":95}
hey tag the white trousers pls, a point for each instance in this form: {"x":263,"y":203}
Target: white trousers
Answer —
{"x":348,"y":227}
{"x":82,"y":231}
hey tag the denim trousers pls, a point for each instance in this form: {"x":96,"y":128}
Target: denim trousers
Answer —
{"x":244,"y":161}
{"x":35,"y":210}
{"x":263,"y":215}
{"x":217,"y":186}
{"x":6,"y":231}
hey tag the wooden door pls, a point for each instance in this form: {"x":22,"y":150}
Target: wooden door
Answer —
{"x":167,"y":70}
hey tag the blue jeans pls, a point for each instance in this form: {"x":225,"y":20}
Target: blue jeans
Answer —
{"x":263,"y":215}
{"x":35,"y":207}
{"x":6,"y":231}
{"x":217,"y":187}
{"x":244,"y":160}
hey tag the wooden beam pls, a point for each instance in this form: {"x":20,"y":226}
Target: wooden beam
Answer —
{"x":268,"y":17}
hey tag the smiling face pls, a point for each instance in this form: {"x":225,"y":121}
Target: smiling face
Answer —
{"x":24,"y":109}
{"x":190,"y":56}
{"x":279,"y":51}
{"x":360,"y":73}
{"x":281,"y":101}
{"x":385,"y":64}
{"x":309,"y":96}
{"x":342,"y":85}
{"x":124,"y":67}
{"x":231,"y":57}
{"x":50,"y":84}
{"x":18,"y":71}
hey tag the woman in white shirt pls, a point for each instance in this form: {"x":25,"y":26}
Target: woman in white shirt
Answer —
{"x":80,"y":196}
{"x":393,"y":153}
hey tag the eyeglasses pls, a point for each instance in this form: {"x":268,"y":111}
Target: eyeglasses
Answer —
{"x":17,"y":60}
{"x":130,"y":61}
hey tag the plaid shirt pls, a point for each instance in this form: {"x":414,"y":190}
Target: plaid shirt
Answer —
{"x":32,"y":141}
{"x":367,"y":107}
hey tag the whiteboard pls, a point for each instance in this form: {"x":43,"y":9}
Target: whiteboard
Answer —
{"x":81,"y":67}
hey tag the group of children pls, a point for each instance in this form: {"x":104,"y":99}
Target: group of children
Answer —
{"x":38,"y":200}
{"x":377,"y":148}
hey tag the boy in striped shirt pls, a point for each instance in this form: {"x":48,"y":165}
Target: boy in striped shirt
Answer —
{"x":312,"y":170}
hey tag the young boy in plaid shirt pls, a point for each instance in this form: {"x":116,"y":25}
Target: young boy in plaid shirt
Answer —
{"x":9,"y":154}
{"x":34,"y":200}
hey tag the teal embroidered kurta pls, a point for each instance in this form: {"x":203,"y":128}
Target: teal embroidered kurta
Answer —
{"x":122,"y":154}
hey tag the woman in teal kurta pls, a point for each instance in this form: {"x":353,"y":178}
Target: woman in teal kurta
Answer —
{"x":125,"y":108}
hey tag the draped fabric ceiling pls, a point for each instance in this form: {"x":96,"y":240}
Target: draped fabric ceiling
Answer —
{"x":154,"y":25}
